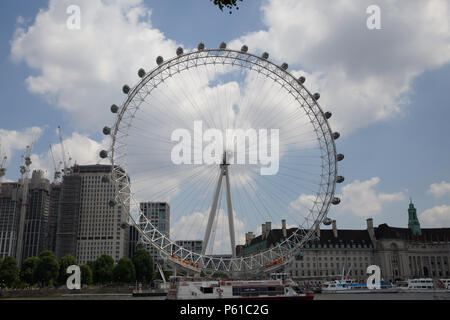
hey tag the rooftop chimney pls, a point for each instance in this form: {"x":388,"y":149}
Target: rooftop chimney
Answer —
{"x":369,"y":224}
{"x":283,"y":228}
{"x":370,"y":229}
{"x":248,"y":238}
{"x":335,"y":233}
{"x":263,"y":230}
{"x":268,"y":227}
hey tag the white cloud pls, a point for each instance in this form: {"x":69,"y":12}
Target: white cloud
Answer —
{"x":83,"y":71}
{"x":80,"y":149}
{"x":439,"y":189}
{"x":361,"y":198}
{"x":303,"y":202}
{"x":436,"y":217}
{"x":363,"y":75}
{"x":13,"y":141}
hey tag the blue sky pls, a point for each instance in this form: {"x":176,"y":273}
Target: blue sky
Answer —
{"x":395,"y":131}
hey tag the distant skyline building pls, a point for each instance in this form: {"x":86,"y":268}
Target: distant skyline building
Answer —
{"x":53,"y":214}
{"x":133,"y":240}
{"x":36,"y":216}
{"x":10,"y":204}
{"x":192,"y":245}
{"x":74,"y":217}
{"x":159,"y":215}
{"x":68,"y":217}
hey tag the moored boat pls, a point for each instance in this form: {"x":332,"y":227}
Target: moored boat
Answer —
{"x":183,"y":289}
{"x":426,"y":285}
{"x":352,"y":286}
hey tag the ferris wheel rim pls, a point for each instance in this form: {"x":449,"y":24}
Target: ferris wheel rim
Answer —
{"x":286,"y":249}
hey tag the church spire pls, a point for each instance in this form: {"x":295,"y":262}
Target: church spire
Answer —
{"x":413,"y":221}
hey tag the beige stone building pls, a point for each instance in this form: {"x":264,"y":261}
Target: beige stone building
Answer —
{"x":401,"y":253}
{"x":99,"y":225}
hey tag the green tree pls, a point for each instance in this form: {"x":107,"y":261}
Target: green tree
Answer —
{"x":124,"y":271}
{"x":229,"y":4}
{"x":103,"y":269}
{"x":64,"y":263}
{"x":86,"y":274}
{"x":28,"y":270}
{"x":143,"y":264}
{"x":91,"y":265}
{"x":9,"y":272}
{"x":47,"y":268}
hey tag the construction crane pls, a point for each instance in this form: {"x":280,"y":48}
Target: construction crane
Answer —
{"x":66,"y":169}
{"x":24,"y":171}
{"x":57,"y":173}
{"x":2,"y":163}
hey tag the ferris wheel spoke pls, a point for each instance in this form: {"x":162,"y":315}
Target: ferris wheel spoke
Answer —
{"x":157,"y":103}
{"x":196,"y":107}
{"x":190,"y":177}
{"x":250,"y":203}
{"x":195,"y":229}
{"x":206,"y":100}
{"x":256,"y":103}
{"x":275,"y":109}
{"x":286,"y":192}
{"x":214,"y":103}
{"x":195,"y":185}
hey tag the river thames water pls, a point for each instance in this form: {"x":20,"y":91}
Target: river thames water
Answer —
{"x":327,"y":296}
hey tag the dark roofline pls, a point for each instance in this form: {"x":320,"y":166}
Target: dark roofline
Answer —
{"x":345,"y":236}
{"x":384,"y":231}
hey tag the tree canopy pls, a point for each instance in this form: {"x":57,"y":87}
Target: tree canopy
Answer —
{"x":86,"y":274}
{"x":124,"y":271}
{"x":64,"y":263}
{"x":47,"y":269}
{"x":143,"y":264}
{"x":9,"y":272}
{"x":103,"y":269}
{"x":28,"y":271}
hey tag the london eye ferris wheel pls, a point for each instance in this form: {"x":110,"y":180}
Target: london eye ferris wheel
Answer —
{"x":230,"y":141}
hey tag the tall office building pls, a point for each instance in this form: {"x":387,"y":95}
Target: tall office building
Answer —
{"x":68,"y":217}
{"x":100,"y":225}
{"x":159,"y":215}
{"x":133,"y":239}
{"x":10,"y":204}
{"x":36,"y":216}
{"x":53,"y":213}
